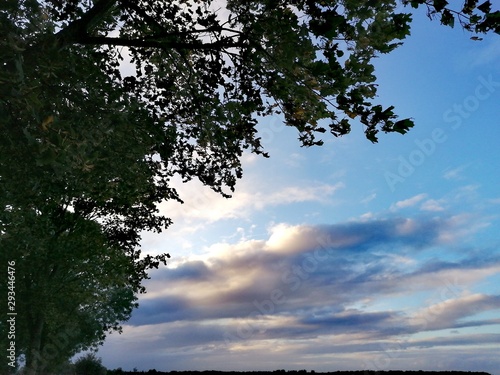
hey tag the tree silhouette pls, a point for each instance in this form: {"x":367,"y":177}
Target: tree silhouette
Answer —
{"x":90,"y":364}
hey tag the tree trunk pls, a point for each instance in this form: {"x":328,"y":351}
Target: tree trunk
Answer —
{"x":34,"y":358}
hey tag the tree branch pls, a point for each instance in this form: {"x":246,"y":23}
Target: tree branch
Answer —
{"x":147,"y":43}
{"x":81,"y":27}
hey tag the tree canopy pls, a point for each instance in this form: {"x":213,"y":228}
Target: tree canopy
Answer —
{"x":88,"y":151}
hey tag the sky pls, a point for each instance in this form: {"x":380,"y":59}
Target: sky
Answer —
{"x":348,"y":256}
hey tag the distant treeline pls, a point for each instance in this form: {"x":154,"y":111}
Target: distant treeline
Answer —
{"x":119,"y":371}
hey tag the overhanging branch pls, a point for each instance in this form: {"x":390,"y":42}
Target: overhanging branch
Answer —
{"x":163,"y":44}
{"x":81,"y":27}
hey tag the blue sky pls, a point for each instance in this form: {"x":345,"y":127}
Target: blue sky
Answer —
{"x":350,"y":255}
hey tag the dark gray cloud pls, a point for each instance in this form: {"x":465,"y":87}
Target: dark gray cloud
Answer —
{"x":193,"y":271}
{"x":414,"y":233}
{"x":161,"y":310}
{"x":348,"y":319}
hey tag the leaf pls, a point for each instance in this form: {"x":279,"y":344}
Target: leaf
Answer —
{"x":403,"y":126}
{"x":469,"y":6}
{"x":439,"y":5}
{"x":447,"y":18}
{"x":485,"y":7}
{"x":351,"y":114}
{"x":371,"y":135}
{"x":45,"y":123}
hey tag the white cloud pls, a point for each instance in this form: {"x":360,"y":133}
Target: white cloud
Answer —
{"x":410,"y":202}
{"x":204,"y":205}
{"x":455,"y":173}
{"x":367,"y":216}
{"x":462,"y":226}
{"x":450,"y":312}
{"x":432,"y":205}
{"x":466,"y":192}
{"x":369,"y":198}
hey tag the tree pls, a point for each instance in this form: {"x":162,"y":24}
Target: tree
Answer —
{"x":86,"y":153}
{"x":89,"y":365}
{"x":71,"y":213}
{"x":71,"y":290}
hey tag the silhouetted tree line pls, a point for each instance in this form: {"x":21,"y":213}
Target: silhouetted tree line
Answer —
{"x":119,"y":371}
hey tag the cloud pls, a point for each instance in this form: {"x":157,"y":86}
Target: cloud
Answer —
{"x":303,"y":269}
{"x":348,"y":319}
{"x":451,"y":312}
{"x":432,"y":205}
{"x":361,"y":288}
{"x":368,"y":198}
{"x":204,"y":205}
{"x":455,"y":173}
{"x":410,"y":202}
